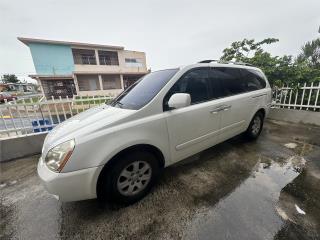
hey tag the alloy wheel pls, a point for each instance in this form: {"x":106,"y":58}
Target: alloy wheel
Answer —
{"x":134,"y":178}
{"x":256,"y":125}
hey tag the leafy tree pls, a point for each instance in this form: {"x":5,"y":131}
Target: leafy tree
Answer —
{"x":9,"y":78}
{"x":279,"y":70}
{"x":240,"y":50}
{"x":310,"y":53}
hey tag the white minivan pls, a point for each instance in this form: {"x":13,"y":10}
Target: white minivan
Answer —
{"x":116,"y":151}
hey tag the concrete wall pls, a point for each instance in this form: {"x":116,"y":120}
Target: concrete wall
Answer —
{"x":106,"y":69}
{"x":13,"y":148}
{"x":50,"y":59}
{"x":140,"y":56}
{"x":295,"y":116}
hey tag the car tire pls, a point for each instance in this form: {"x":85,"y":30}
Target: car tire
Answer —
{"x":255,"y":126}
{"x":130,"y":178}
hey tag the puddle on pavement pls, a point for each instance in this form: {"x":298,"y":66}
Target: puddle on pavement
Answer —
{"x":300,"y":148}
{"x":251,"y":211}
{"x":291,"y":145}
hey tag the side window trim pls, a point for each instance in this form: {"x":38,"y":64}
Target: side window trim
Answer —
{"x":164,"y":105}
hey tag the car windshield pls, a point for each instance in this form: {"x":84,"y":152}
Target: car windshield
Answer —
{"x":144,"y":90}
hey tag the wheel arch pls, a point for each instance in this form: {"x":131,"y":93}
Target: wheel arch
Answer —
{"x":138,"y":147}
{"x":259,"y":109}
{"x":262,"y":110}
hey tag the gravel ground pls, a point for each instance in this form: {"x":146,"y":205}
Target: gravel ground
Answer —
{"x":268,"y":189}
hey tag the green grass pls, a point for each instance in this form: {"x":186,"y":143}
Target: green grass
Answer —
{"x":93,"y":101}
{"x":28,"y":100}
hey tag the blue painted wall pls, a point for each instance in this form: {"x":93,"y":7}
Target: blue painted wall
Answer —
{"x":51,"y":59}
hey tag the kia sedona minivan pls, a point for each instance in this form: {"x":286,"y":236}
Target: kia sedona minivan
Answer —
{"x":116,"y":151}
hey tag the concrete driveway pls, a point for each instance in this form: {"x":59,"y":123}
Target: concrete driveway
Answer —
{"x":268,"y":189}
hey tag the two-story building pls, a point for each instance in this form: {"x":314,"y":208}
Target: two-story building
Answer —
{"x":73,"y":68}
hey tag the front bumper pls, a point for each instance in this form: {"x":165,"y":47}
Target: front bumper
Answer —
{"x":70,"y":186}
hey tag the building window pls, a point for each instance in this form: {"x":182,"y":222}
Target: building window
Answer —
{"x":111,"y":82}
{"x":88,"y":82}
{"x":88,"y":59}
{"x":84,"y":56}
{"x":108,"y":58}
{"x":128,"y":80}
{"x":133,"y":62}
{"x":58,"y":88}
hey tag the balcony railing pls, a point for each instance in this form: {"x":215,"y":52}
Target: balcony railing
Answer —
{"x":108,"y":58}
{"x":102,"y":57}
{"x":84,"y":56}
{"x":85,"y":59}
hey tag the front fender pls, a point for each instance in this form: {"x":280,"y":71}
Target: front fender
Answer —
{"x":100,"y":147}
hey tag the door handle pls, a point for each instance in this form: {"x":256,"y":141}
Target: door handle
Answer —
{"x":226,"y":107}
{"x":216,"y":110}
{"x":220,"y":108}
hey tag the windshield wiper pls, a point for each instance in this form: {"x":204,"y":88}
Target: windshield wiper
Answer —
{"x":120,"y":104}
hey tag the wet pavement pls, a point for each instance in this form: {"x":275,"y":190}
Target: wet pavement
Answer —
{"x":268,"y":189}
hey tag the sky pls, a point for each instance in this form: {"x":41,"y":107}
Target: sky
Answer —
{"x":172,"y":33}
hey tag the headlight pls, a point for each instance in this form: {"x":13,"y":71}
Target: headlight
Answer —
{"x":58,"y":156}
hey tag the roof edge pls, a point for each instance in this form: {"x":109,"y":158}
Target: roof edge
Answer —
{"x":26,"y":41}
{"x":36,"y":76}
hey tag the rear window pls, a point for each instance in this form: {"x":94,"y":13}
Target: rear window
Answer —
{"x":254,"y":79}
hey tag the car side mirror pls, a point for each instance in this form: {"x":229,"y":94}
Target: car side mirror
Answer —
{"x":179,"y":100}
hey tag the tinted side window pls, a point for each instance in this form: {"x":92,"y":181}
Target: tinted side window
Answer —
{"x":231,"y":80}
{"x":194,"y":82}
{"x":215,"y":83}
{"x":254,"y":80}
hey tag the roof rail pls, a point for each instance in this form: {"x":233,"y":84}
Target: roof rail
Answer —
{"x":226,"y":62}
{"x":237,"y":63}
{"x":209,"y":61}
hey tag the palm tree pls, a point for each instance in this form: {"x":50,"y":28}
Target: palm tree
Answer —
{"x":311,"y":53}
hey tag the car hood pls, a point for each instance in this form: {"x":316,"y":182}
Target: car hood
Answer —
{"x":85,"y":123}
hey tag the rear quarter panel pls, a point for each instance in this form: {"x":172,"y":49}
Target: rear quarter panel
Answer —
{"x":262,"y":100}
